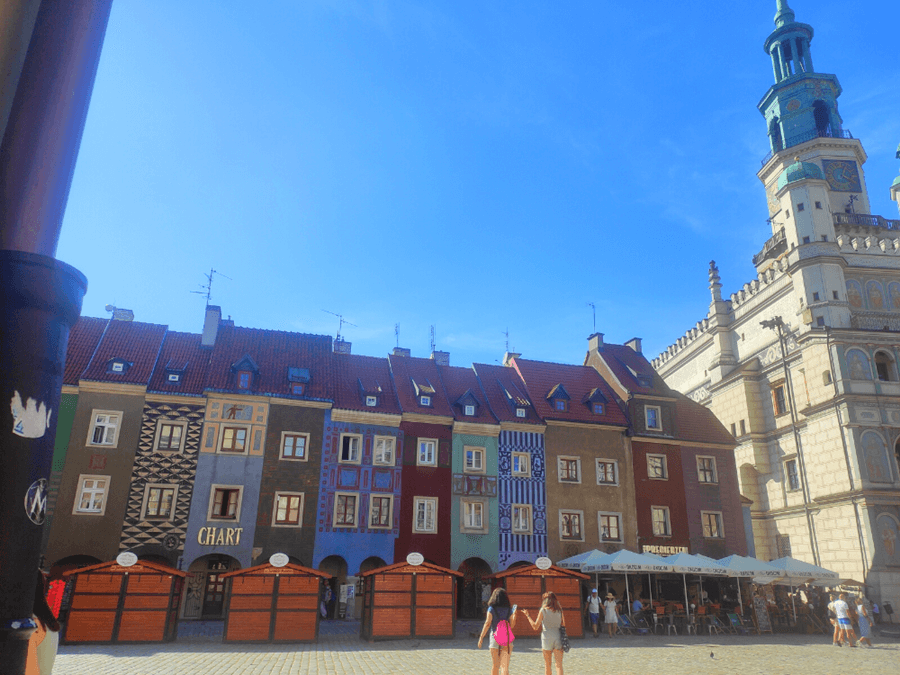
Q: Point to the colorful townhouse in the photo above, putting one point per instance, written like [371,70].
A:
[474,512]
[427,427]
[521,491]
[589,482]
[299,388]
[165,462]
[96,479]
[685,475]
[360,478]
[83,340]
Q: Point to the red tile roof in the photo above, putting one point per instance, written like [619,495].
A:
[497,382]
[83,340]
[355,374]
[579,382]
[462,382]
[633,371]
[696,422]
[132,341]
[273,352]
[181,351]
[409,371]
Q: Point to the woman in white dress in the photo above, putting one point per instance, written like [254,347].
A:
[611,608]
[865,623]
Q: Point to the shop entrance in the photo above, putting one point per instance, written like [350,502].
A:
[205,589]
[473,588]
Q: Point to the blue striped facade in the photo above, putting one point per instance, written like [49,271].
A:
[519,490]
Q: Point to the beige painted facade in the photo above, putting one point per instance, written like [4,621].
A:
[586,443]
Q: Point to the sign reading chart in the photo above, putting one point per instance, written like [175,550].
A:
[543,563]
[278,560]
[126,559]
[415,559]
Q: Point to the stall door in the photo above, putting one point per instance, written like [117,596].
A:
[214,595]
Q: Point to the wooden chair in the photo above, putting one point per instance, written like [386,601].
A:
[739,626]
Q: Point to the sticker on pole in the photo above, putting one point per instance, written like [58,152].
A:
[36,501]
[543,563]
[126,559]
[415,559]
[30,420]
[278,559]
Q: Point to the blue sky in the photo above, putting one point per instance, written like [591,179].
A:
[473,165]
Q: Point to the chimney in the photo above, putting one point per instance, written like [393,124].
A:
[123,315]
[595,342]
[441,358]
[509,356]
[635,344]
[341,347]
[211,325]
[400,351]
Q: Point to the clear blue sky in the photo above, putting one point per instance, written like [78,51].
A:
[475,165]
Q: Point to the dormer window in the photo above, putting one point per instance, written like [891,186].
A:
[596,401]
[298,389]
[470,410]
[245,373]
[560,404]
[371,401]
[559,398]
[597,408]
[173,378]
[118,366]
[425,400]
[175,372]
[244,378]
[520,412]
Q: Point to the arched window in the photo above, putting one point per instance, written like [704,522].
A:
[874,456]
[884,367]
[823,119]
[858,365]
[826,377]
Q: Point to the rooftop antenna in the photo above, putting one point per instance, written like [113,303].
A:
[207,287]
[506,333]
[594,310]
[341,322]
[432,338]
[397,334]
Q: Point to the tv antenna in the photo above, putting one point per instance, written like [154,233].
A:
[341,322]
[594,310]
[397,334]
[207,287]
[506,333]
[432,338]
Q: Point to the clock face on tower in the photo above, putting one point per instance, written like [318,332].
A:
[842,175]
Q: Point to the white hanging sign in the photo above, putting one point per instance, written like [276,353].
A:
[415,559]
[543,563]
[278,560]
[126,559]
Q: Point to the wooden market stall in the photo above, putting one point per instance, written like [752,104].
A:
[114,603]
[406,601]
[273,604]
[527,584]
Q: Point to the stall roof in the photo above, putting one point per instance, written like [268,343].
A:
[113,567]
[534,569]
[275,570]
[406,567]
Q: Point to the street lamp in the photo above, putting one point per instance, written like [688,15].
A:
[778,325]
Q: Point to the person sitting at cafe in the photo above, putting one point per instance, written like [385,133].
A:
[637,608]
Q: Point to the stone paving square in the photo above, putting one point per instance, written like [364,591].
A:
[341,652]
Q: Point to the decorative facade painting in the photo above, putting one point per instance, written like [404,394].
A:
[875,457]
[894,291]
[858,365]
[876,296]
[886,533]
[854,294]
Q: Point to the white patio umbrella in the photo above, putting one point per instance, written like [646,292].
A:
[574,562]
[797,572]
[627,561]
[746,567]
[686,563]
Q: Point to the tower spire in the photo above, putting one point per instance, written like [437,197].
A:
[784,14]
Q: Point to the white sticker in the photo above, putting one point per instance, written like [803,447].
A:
[31,420]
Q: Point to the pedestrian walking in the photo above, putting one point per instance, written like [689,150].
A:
[842,612]
[498,610]
[832,619]
[592,609]
[611,608]
[865,623]
[550,619]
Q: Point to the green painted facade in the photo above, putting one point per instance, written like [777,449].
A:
[464,545]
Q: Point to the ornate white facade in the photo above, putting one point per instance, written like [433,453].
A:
[820,443]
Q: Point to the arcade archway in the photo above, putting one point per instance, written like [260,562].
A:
[473,588]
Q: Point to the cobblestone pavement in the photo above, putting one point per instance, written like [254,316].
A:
[341,652]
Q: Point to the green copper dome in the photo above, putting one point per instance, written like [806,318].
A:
[896,181]
[799,171]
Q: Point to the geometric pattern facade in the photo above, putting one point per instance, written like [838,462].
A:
[522,490]
[171,468]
